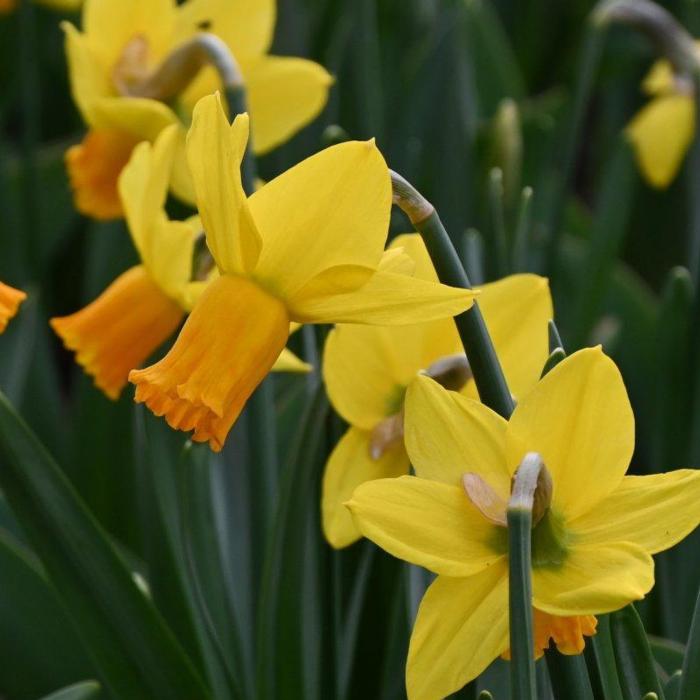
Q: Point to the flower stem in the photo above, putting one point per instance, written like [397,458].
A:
[568,675]
[690,679]
[519,514]
[478,346]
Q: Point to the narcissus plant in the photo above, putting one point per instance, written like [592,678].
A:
[306,247]
[367,370]
[594,531]
[122,44]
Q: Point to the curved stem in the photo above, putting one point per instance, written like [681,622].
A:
[478,346]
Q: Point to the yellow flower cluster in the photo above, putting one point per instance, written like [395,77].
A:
[424,468]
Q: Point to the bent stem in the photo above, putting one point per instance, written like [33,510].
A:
[478,346]
[519,514]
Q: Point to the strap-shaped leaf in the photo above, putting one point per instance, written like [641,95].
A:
[136,654]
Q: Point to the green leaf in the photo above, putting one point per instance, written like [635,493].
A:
[600,659]
[635,663]
[690,681]
[79,691]
[135,653]
[668,653]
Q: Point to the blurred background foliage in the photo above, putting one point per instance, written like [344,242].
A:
[451,89]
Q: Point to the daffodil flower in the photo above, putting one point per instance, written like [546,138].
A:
[591,550]
[10,299]
[125,40]
[306,247]
[663,130]
[367,371]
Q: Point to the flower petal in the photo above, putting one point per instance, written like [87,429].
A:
[386,299]
[579,419]
[246,26]
[110,24]
[358,363]
[654,512]
[348,466]
[214,152]
[10,299]
[331,209]
[87,80]
[517,310]
[226,347]
[289,362]
[594,579]
[448,435]
[120,329]
[426,523]
[139,117]
[298,84]
[462,626]
[661,133]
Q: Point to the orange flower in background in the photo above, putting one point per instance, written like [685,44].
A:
[146,304]
[124,41]
[10,299]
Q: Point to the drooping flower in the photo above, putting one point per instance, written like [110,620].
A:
[123,41]
[662,131]
[368,369]
[137,312]
[10,299]
[591,550]
[306,247]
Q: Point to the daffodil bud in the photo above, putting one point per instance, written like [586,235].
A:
[670,39]
[507,148]
[451,372]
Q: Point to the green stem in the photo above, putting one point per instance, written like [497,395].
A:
[600,659]
[633,656]
[568,675]
[237,104]
[478,346]
[522,666]
[690,679]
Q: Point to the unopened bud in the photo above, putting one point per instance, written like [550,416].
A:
[507,150]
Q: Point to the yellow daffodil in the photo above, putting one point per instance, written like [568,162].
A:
[367,371]
[125,40]
[663,130]
[591,550]
[306,247]
[10,299]
[146,304]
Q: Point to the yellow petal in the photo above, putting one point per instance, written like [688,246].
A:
[348,466]
[659,79]
[448,435]
[143,188]
[359,364]
[331,209]
[426,523]
[10,299]
[386,299]
[298,84]
[289,362]
[214,152]
[120,329]
[226,347]
[87,79]
[462,626]
[654,512]
[594,579]
[137,116]
[413,246]
[579,419]
[110,24]
[517,310]
[246,25]
[661,133]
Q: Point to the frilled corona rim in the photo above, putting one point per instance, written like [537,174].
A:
[10,299]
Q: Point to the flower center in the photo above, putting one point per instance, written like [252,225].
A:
[566,632]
